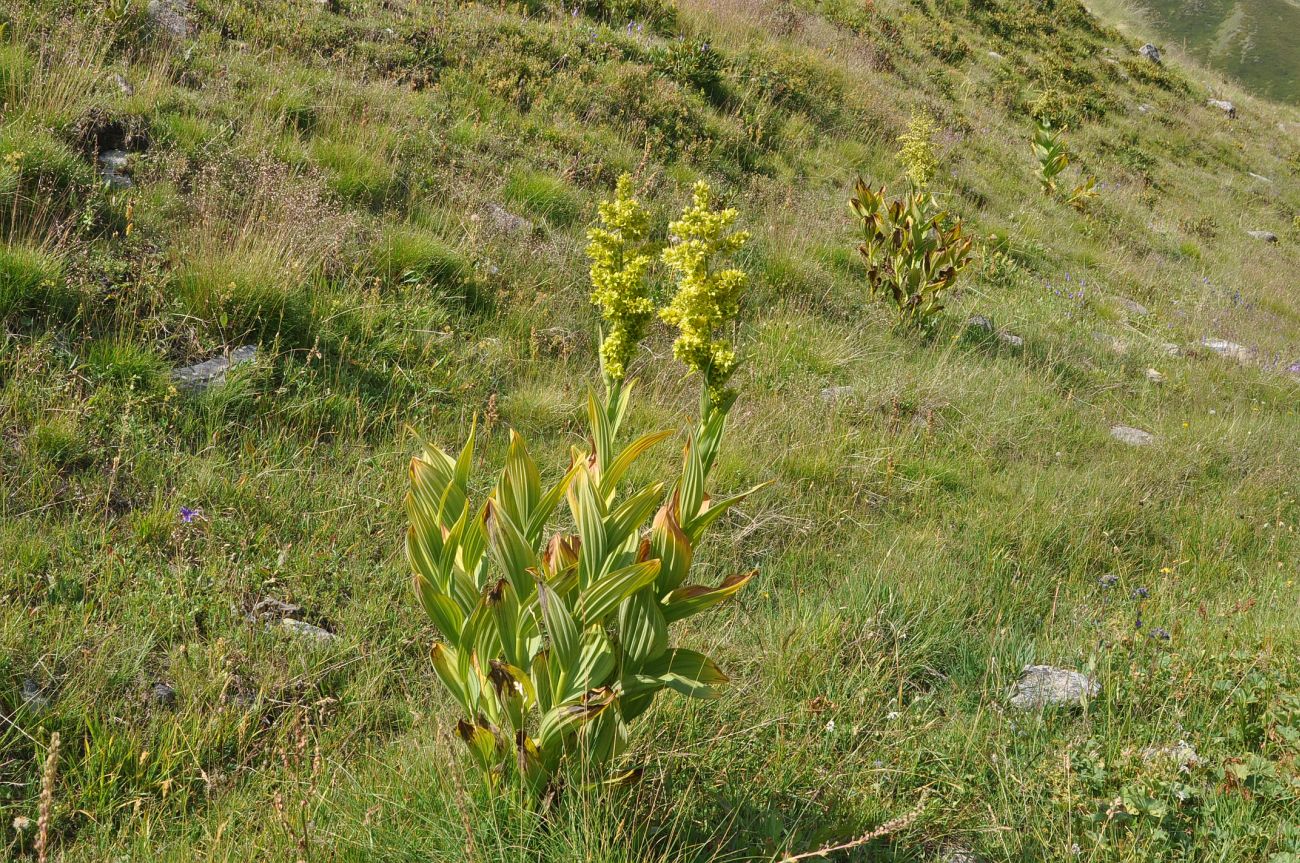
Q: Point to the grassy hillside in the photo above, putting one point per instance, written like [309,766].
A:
[1252,41]
[389,199]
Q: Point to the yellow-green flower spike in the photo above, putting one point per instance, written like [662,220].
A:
[917,153]
[706,300]
[619,263]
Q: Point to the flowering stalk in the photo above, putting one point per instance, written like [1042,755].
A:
[706,300]
[619,263]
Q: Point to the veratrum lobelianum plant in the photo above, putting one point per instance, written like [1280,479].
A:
[914,251]
[1053,158]
[553,641]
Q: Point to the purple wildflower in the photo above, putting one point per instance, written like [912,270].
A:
[187,514]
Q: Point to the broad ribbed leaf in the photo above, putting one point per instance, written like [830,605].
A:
[520,486]
[602,597]
[442,609]
[560,722]
[642,628]
[445,662]
[627,519]
[480,739]
[546,505]
[688,672]
[672,547]
[615,470]
[508,548]
[691,492]
[589,516]
[713,510]
[694,598]
[514,692]
[602,433]
[561,628]
[503,603]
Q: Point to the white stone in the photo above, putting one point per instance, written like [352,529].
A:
[1132,436]
[1040,686]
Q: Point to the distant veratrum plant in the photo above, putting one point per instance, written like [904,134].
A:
[554,642]
[1053,158]
[914,252]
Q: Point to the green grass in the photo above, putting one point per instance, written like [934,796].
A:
[544,196]
[322,183]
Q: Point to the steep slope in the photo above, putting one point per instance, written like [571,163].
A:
[388,198]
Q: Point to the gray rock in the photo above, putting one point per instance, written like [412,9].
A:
[113,169]
[123,85]
[163,695]
[170,17]
[1154,376]
[34,696]
[1041,686]
[557,340]
[1144,109]
[1132,436]
[307,630]
[1224,106]
[1133,307]
[830,395]
[1113,343]
[269,608]
[1182,753]
[1266,236]
[208,373]
[508,222]
[1231,350]
[1170,349]
[958,854]
[980,322]
[1151,52]
[995,55]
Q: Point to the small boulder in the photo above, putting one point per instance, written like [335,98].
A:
[1132,436]
[208,373]
[170,17]
[306,630]
[1154,376]
[1231,350]
[34,696]
[1182,754]
[1144,109]
[123,85]
[1133,307]
[113,169]
[1041,686]
[1224,106]
[1265,236]
[830,395]
[162,695]
[507,221]
[1151,52]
